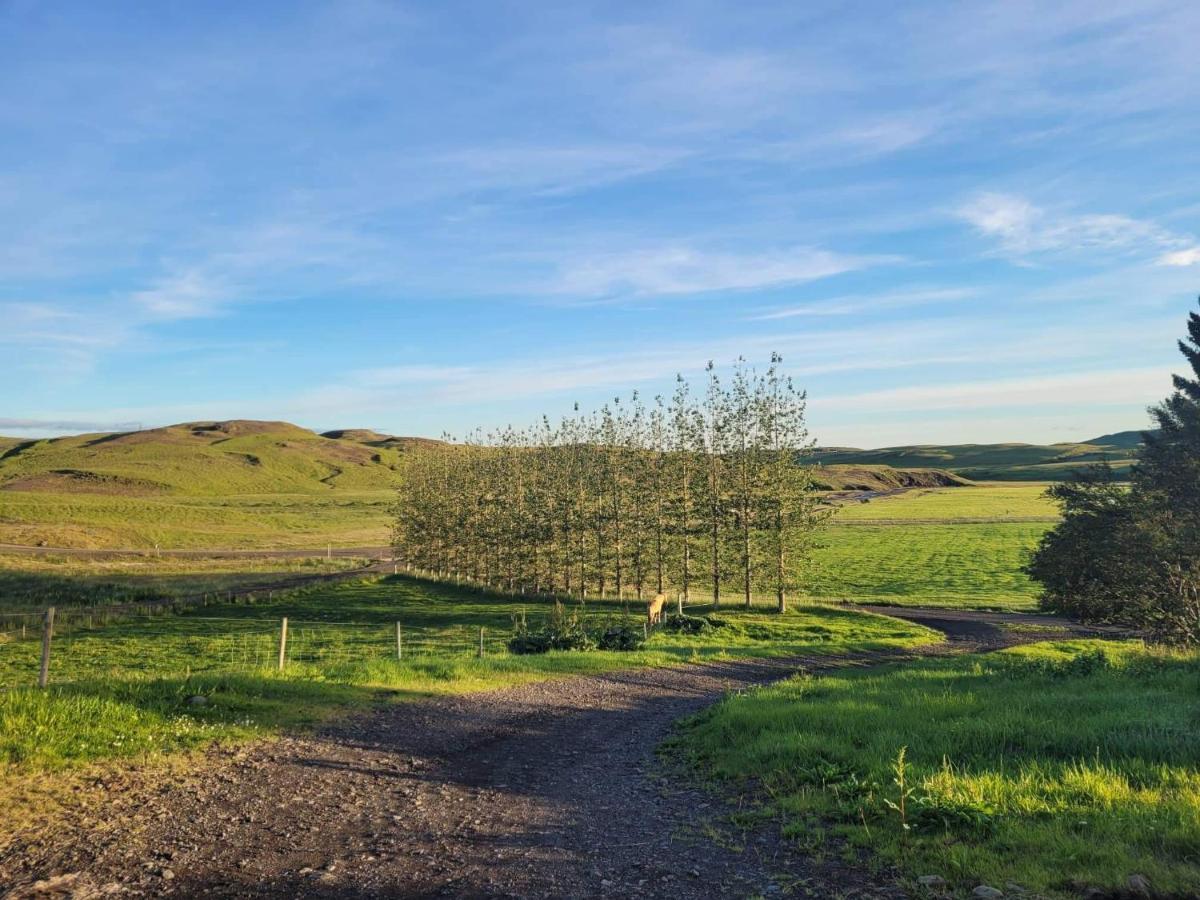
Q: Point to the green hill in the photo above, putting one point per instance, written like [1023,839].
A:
[995,462]
[200,459]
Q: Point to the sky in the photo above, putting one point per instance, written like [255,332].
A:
[957,222]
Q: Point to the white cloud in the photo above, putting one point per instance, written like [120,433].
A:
[1022,229]
[865,303]
[682,269]
[1180,258]
[188,295]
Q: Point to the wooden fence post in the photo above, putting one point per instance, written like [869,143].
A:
[47,634]
[399,643]
[282,642]
[481,642]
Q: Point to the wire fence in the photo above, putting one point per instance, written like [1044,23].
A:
[53,648]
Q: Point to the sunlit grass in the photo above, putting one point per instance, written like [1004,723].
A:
[1054,766]
[972,566]
[998,502]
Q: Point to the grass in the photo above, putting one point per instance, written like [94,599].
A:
[1057,766]
[960,547]
[122,689]
[29,583]
[986,502]
[253,521]
[975,566]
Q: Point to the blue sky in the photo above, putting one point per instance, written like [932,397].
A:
[957,222]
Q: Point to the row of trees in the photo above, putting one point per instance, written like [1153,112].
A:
[704,492]
[1130,554]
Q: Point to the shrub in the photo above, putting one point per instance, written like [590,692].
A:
[562,631]
[684,624]
[624,636]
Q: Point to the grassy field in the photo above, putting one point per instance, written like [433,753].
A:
[956,547]
[989,502]
[254,521]
[35,582]
[122,689]
[1056,766]
[973,566]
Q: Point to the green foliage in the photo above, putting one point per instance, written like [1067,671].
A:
[685,624]
[621,636]
[562,630]
[626,501]
[1133,557]
[1054,766]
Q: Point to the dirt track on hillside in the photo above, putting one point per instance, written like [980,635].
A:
[547,790]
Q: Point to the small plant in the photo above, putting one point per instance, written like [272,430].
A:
[900,779]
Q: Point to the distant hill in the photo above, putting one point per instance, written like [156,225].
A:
[1127,440]
[995,462]
[201,458]
[241,456]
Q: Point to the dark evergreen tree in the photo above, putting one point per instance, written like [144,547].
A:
[1133,556]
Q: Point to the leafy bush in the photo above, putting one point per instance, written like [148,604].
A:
[684,624]
[562,631]
[623,636]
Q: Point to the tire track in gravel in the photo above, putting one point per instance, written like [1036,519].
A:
[546,790]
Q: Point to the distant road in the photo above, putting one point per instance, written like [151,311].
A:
[91,553]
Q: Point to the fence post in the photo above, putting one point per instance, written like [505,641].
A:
[481,642]
[282,642]
[399,643]
[47,634]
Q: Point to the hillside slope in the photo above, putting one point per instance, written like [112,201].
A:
[883,478]
[994,462]
[199,459]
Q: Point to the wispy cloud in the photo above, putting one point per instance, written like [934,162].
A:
[66,426]
[681,269]
[188,295]
[1023,229]
[856,304]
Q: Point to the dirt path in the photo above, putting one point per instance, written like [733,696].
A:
[548,790]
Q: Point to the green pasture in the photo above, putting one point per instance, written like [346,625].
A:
[985,502]
[967,565]
[252,521]
[1055,767]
